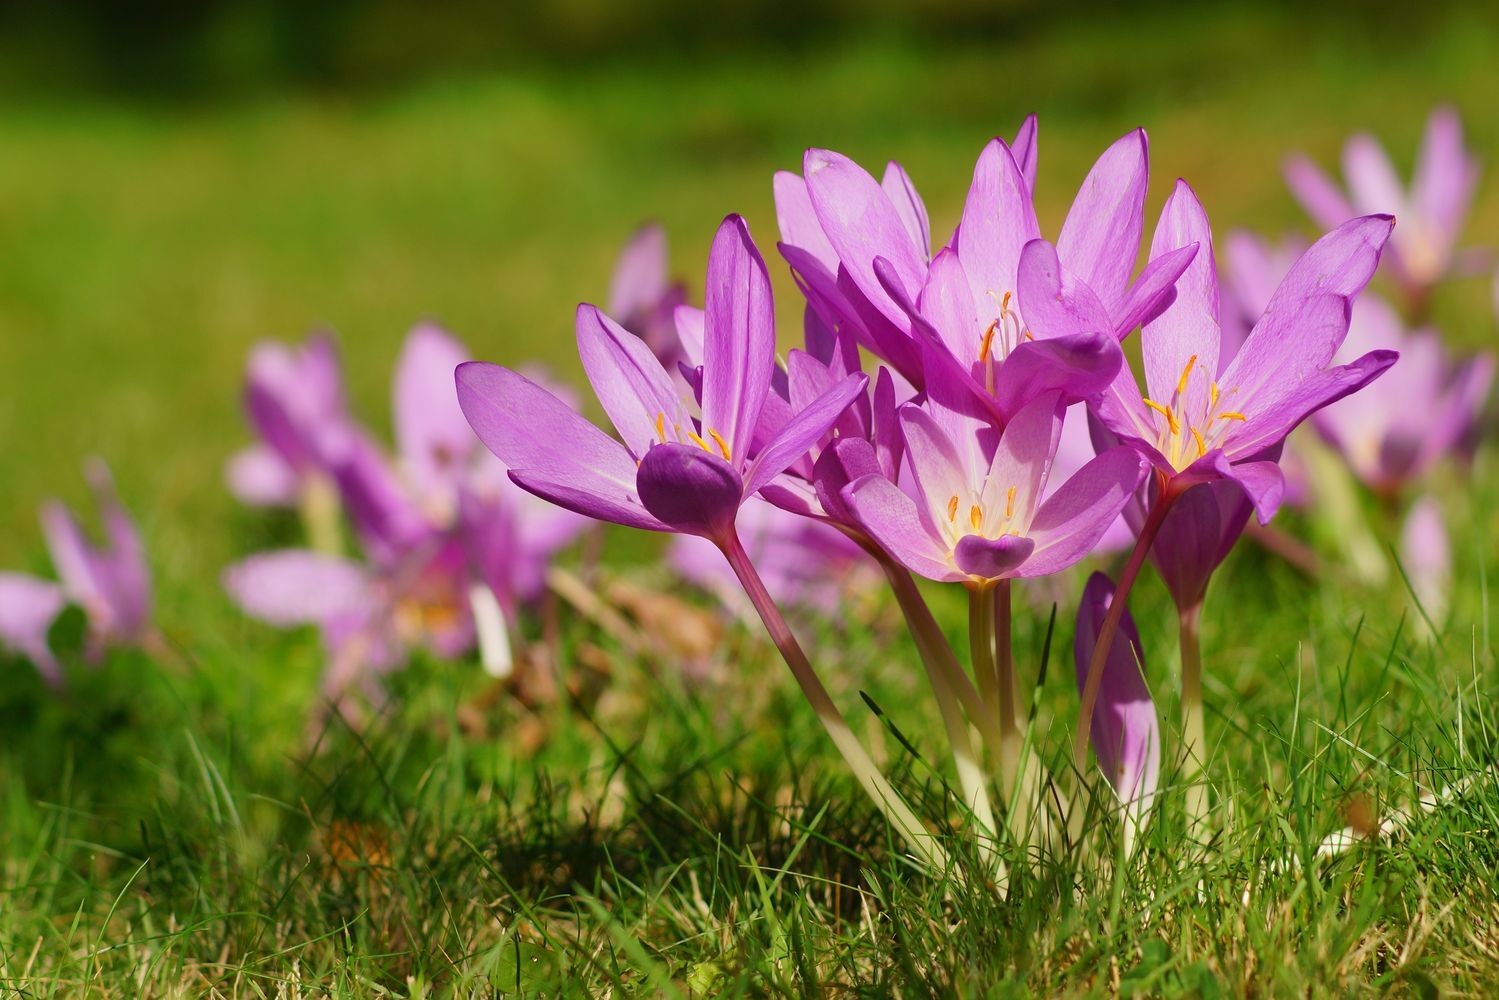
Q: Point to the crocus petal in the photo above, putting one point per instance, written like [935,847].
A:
[384,513]
[798,222]
[526,427]
[432,437]
[1023,459]
[908,205]
[1426,557]
[862,224]
[28,607]
[991,558]
[1299,332]
[260,477]
[291,393]
[689,322]
[1442,188]
[941,466]
[1318,195]
[1025,149]
[1185,335]
[1126,734]
[640,276]
[296,587]
[1054,302]
[1371,176]
[687,489]
[616,507]
[845,461]
[1153,291]
[1270,421]
[129,581]
[998,220]
[1078,366]
[1263,483]
[739,337]
[1072,520]
[631,385]
[803,431]
[947,304]
[78,565]
[893,520]
[1101,235]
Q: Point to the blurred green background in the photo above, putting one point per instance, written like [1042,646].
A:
[179,179]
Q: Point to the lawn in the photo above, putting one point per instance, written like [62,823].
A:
[189,822]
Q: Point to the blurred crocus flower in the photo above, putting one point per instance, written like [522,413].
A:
[110,582]
[643,298]
[804,563]
[1432,211]
[1125,732]
[674,471]
[1426,556]
[1426,408]
[973,510]
[292,396]
[1205,420]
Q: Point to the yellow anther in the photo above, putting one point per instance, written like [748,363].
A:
[1202,448]
[987,341]
[661,427]
[1181,385]
[1010,503]
[1231,415]
[1004,304]
[975,516]
[1163,411]
[700,442]
[723,445]
[952,508]
[1212,394]
[1027,335]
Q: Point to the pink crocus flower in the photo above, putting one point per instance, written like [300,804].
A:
[1432,210]
[109,581]
[1383,446]
[1126,732]
[971,509]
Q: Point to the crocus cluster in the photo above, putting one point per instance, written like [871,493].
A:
[923,418]
[109,582]
[448,548]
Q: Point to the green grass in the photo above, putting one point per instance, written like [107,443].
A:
[185,824]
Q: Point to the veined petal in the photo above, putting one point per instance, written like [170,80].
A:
[1077,365]
[1180,347]
[1101,235]
[617,506]
[804,430]
[1153,291]
[798,222]
[739,342]
[1372,181]
[1054,302]
[1442,189]
[862,224]
[630,383]
[899,527]
[689,323]
[998,221]
[1022,461]
[1197,535]
[526,427]
[908,205]
[946,303]
[992,558]
[1025,149]
[1072,520]
[1272,419]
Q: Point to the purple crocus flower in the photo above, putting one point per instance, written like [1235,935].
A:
[1384,447]
[674,471]
[1126,733]
[1426,556]
[110,582]
[978,314]
[1202,423]
[973,511]
[292,396]
[1432,211]
[643,298]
